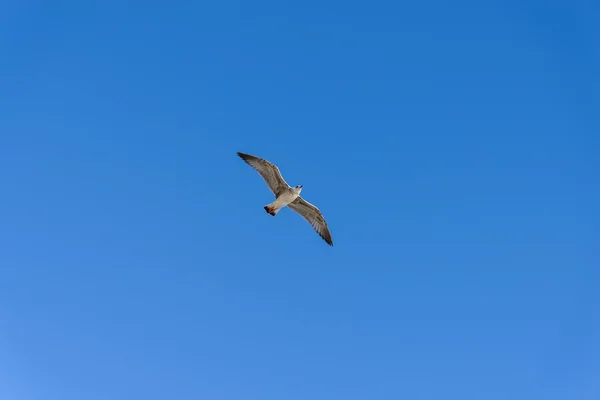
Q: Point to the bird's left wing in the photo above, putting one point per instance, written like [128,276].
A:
[314,217]
[269,172]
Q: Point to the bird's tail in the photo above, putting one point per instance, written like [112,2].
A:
[271,210]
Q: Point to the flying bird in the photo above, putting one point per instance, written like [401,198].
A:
[285,195]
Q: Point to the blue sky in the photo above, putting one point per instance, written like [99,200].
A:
[453,149]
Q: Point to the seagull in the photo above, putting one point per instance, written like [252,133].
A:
[285,195]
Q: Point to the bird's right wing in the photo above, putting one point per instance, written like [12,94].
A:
[314,217]
[269,172]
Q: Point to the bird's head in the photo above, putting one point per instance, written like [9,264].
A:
[298,188]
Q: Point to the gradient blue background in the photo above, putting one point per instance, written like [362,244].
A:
[452,146]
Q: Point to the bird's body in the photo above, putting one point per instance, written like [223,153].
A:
[287,196]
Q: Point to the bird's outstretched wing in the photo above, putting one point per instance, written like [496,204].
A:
[269,172]
[313,216]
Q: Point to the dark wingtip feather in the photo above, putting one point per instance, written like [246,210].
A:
[327,237]
[244,156]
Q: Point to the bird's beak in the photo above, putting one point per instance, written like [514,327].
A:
[300,186]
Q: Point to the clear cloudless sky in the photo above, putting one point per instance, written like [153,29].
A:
[453,147]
